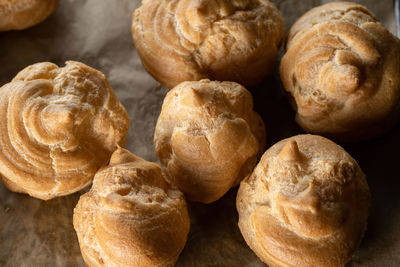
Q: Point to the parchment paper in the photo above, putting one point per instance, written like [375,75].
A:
[97,32]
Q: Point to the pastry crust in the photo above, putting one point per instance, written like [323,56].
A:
[342,70]
[208,137]
[131,216]
[225,40]
[58,127]
[22,14]
[305,204]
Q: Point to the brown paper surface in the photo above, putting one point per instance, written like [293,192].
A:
[97,32]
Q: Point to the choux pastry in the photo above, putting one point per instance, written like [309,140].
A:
[22,14]
[208,137]
[341,70]
[225,40]
[131,217]
[305,204]
[58,127]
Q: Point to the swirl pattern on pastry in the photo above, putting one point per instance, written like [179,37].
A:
[58,127]
[208,137]
[305,204]
[22,14]
[341,70]
[131,216]
[225,40]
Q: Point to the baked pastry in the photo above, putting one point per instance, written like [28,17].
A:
[341,70]
[131,216]
[225,40]
[305,204]
[58,127]
[22,14]
[208,137]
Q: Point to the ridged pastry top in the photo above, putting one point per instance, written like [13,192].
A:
[22,14]
[208,137]
[341,68]
[225,40]
[58,127]
[131,216]
[306,204]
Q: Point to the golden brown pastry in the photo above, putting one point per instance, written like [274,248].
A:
[22,14]
[131,216]
[58,127]
[225,40]
[305,204]
[342,70]
[208,137]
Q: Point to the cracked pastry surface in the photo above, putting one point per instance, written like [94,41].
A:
[58,127]
[131,216]
[22,14]
[225,40]
[305,204]
[341,69]
[208,137]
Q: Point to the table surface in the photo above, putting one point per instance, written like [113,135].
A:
[97,32]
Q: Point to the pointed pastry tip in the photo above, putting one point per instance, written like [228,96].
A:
[193,98]
[194,93]
[291,152]
[121,156]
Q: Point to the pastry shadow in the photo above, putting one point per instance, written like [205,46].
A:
[379,159]
[271,102]
[214,236]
